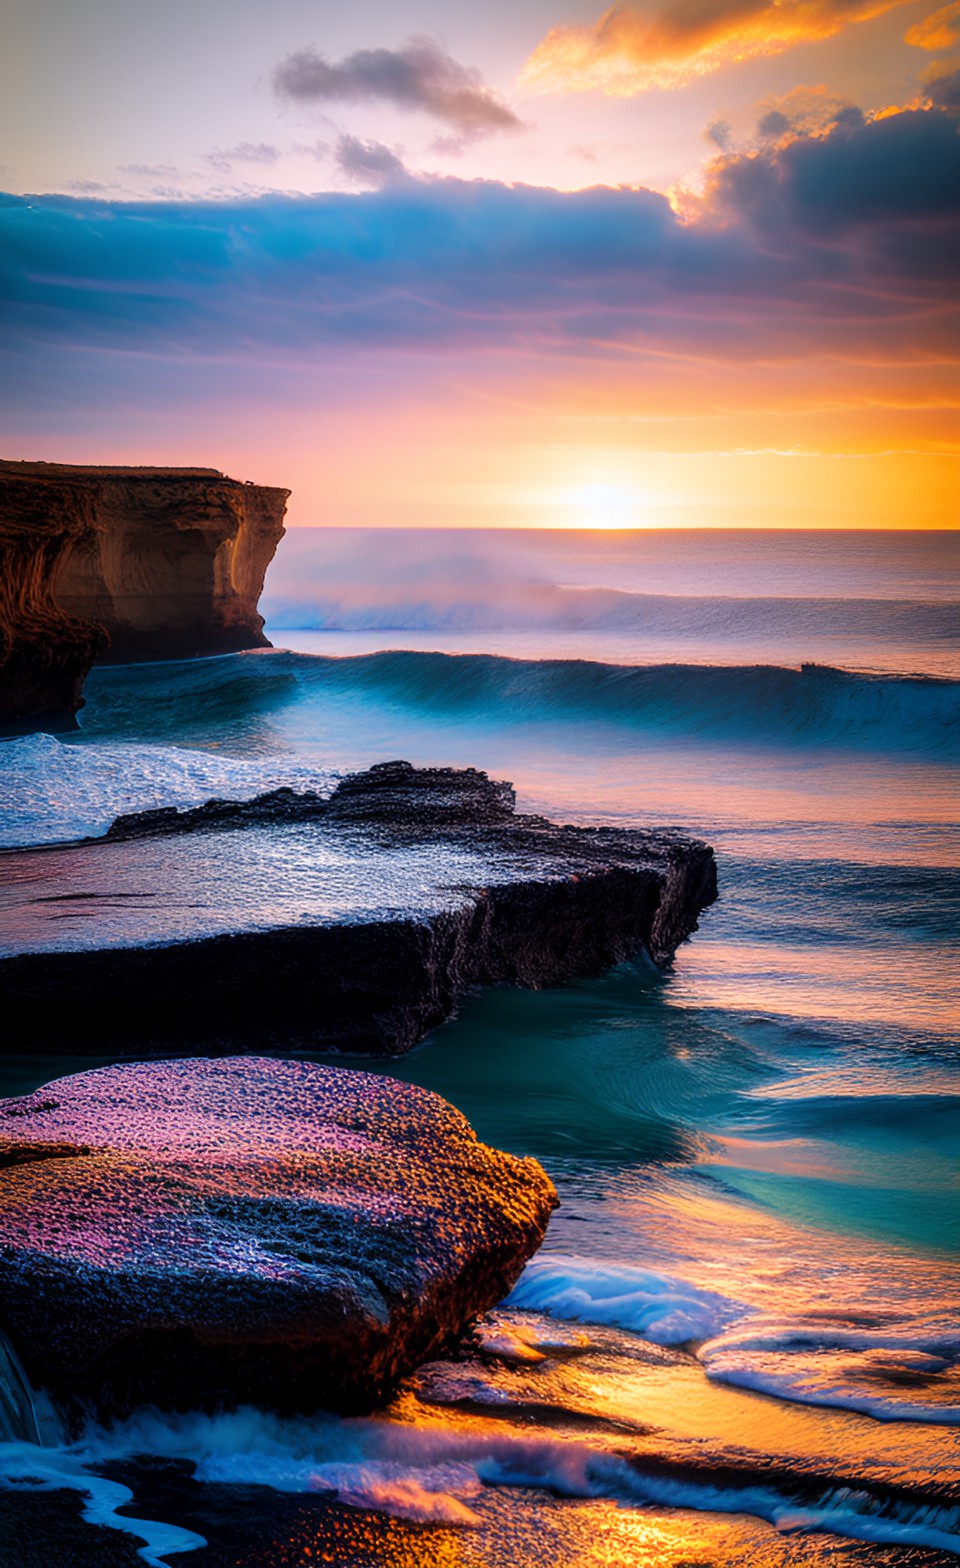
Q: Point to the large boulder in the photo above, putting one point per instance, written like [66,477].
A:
[204,1232]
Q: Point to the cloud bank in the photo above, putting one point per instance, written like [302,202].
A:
[843,244]
[421,76]
[629,51]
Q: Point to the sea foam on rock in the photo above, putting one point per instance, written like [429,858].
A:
[200,1233]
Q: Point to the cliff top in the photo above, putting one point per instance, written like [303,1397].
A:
[105,471]
[94,473]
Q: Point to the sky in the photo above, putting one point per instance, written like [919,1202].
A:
[536,264]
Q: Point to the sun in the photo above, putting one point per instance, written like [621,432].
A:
[603,506]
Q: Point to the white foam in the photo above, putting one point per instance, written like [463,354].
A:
[660,1307]
[25,1467]
[908,1370]
[889,1373]
[52,791]
[435,1472]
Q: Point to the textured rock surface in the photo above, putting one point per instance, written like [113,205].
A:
[127,563]
[44,652]
[354,923]
[190,1233]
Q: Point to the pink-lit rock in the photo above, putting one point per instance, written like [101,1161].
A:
[222,1231]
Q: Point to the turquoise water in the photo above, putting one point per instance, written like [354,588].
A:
[757,1153]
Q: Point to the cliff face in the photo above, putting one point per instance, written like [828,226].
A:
[44,653]
[124,563]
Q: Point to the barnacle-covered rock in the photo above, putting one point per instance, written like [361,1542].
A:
[203,1232]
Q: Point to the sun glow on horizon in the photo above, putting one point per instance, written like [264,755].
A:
[604,506]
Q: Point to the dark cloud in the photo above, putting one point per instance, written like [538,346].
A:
[719,132]
[804,111]
[369,163]
[421,75]
[772,125]
[901,169]
[843,243]
[944,92]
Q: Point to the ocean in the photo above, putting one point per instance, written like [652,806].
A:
[748,1303]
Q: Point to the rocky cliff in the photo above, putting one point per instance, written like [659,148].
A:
[124,563]
[44,653]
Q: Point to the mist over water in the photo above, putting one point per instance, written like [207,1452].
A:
[758,1153]
[873,600]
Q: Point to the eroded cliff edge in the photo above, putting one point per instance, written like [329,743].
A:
[124,564]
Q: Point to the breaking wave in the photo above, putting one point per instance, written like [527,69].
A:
[752,705]
[51,792]
[893,1369]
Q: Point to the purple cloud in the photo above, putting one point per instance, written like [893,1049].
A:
[421,76]
[369,163]
[223,158]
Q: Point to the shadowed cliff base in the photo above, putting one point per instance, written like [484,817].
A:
[123,564]
[352,923]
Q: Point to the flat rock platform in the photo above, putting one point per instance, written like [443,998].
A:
[353,922]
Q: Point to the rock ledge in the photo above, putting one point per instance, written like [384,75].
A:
[354,923]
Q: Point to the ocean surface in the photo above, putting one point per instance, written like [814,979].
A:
[741,1340]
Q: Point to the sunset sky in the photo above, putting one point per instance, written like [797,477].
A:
[688,263]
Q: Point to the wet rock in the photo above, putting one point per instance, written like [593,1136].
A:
[192,1233]
[354,923]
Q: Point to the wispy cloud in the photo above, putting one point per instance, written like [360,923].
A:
[629,51]
[369,163]
[224,158]
[152,171]
[939,30]
[420,76]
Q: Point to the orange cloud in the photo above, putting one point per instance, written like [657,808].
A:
[939,30]
[626,51]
